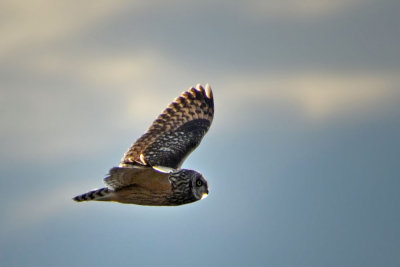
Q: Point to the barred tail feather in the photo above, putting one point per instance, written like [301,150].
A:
[102,194]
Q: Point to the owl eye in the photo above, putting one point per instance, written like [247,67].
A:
[199,182]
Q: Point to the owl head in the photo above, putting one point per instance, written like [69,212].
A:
[187,186]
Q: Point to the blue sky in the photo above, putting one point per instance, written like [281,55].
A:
[301,159]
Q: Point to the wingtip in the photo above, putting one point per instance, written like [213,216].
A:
[192,91]
[209,93]
[199,87]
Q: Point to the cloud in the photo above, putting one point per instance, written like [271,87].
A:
[27,24]
[124,92]
[324,95]
[138,78]
[316,95]
[70,104]
[297,9]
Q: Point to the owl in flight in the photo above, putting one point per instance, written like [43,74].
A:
[150,173]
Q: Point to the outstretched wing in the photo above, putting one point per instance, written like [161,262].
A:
[176,132]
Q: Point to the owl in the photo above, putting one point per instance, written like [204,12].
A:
[149,172]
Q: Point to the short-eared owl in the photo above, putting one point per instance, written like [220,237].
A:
[149,173]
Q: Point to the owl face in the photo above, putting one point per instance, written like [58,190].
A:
[199,186]
[187,186]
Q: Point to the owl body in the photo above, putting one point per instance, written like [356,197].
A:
[149,172]
[151,187]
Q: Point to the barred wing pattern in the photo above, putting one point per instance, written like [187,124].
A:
[176,132]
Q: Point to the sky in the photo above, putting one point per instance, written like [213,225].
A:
[302,158]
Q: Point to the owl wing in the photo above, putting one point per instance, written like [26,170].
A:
[176,132]
[140,176]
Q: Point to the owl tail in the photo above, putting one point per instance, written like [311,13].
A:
[103,194]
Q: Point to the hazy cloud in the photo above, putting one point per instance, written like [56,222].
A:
[319,95]
[297,9]
[124,93]
[29,23]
